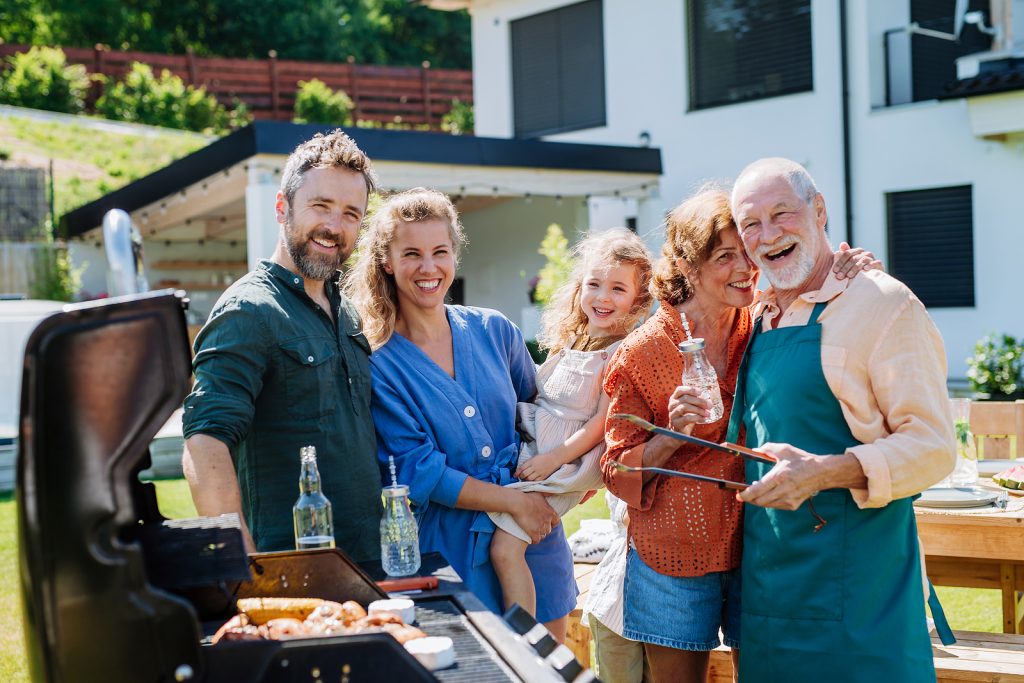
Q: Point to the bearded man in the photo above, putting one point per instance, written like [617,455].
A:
[844,382]
[281,364]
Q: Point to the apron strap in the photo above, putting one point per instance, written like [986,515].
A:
[739,402]
[942,628]
[818,308]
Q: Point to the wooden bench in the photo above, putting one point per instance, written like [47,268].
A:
[577,636]
[976,657]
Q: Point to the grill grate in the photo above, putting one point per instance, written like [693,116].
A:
[475,660]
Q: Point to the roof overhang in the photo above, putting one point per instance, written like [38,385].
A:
[203,194]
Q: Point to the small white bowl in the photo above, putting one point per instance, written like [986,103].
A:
[403,607]
[433,652]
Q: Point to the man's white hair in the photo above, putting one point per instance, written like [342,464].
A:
[795,174]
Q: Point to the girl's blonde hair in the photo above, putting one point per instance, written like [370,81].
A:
[563,317]
[692,231]
[370,288]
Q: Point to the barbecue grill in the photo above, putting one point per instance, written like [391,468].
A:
[113,591]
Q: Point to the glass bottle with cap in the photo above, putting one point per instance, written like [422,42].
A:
[700,374]
[314,521]
[399,535]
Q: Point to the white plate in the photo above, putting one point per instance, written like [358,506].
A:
[955,498]
[986,468]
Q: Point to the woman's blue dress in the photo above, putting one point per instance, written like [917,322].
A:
[442,430]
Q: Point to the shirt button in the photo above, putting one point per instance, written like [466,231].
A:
[485,451]
[309,358]
[350,380]
[470,411]
[296,280]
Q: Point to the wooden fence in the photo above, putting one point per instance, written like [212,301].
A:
[385,94]
[18,263]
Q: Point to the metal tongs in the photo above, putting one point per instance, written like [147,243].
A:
[730,448]
[726,447]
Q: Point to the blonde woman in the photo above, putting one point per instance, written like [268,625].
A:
[605,297]
[446,380]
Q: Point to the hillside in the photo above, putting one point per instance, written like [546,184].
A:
[90,156]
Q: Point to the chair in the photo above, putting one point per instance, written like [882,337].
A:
[998,428]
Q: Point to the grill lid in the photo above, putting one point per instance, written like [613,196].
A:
[99,381]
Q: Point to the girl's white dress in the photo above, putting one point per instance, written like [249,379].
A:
[569,386]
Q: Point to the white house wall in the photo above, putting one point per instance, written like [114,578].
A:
[927,145]
[502,253]
[915,146]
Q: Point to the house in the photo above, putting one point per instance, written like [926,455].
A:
[908,113]
[208,218]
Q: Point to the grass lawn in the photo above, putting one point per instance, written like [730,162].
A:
[966,608]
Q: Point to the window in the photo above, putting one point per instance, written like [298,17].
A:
[743,50]
[558,70]
[931,244]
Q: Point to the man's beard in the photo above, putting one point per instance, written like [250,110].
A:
[313,265]
[794,274]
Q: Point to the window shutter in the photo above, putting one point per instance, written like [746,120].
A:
[581,37]
[753,50]
[535,73]
[931,244]
[558,70]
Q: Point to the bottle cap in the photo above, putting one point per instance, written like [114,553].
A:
[395,491]
[691,345]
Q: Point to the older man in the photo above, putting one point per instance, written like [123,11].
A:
[844,383]
[282,363]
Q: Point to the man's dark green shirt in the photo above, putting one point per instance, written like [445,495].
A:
[273,373]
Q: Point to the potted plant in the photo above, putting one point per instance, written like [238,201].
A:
[996,370]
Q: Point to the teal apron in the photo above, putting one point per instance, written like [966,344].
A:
[841,604]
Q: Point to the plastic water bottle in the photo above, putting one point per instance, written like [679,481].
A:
[314,522]
[700,374]
[399,535]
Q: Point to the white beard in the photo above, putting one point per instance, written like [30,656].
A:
[793,274]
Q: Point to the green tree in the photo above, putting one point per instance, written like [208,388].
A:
[558,267]
[317,103]
[142,97]
[371,31]
[42,79]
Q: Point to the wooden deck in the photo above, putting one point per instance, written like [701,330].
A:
[976,658]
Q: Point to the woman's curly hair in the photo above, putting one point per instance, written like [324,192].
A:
[692,231]
[372,289]
[564,318]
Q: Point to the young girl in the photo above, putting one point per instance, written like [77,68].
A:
[563,430]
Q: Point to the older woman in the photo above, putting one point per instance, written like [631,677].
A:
[446,380]
[682,583]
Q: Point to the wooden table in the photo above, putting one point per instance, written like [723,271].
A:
[977,550]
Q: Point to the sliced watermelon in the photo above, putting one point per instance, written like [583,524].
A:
[1012,478]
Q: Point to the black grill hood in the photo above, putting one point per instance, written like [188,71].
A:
[99,381]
